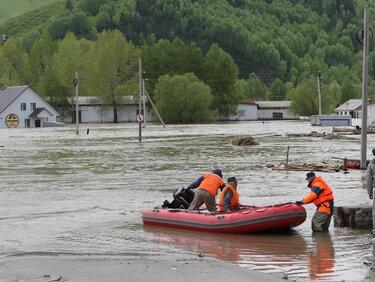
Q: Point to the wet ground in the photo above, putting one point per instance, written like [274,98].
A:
[67,194]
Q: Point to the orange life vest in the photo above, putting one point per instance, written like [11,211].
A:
[234,202]
[323,198]
[211,183]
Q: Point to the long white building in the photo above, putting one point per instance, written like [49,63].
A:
[250,109]
[93,110]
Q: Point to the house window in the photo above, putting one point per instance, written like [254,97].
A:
[23,106]
[33,106]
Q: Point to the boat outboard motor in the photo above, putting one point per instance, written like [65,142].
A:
[182,199]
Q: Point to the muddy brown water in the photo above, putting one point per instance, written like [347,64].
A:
[67,194]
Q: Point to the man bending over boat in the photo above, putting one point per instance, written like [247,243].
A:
[229,197]
[322,196]
[207,186]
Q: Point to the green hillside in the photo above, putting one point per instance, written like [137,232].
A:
[13,8]
[269,50]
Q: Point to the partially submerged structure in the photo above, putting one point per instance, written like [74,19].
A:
[93,109]
[352,107]
[22,106]
[250,109]
[331,120]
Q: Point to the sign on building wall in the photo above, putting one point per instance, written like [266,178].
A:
[12,120]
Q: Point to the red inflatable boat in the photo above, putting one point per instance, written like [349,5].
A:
[246,220]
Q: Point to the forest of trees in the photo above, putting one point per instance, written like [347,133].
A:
[206,54]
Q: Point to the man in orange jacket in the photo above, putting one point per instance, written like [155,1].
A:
[207,186]
[229,197]
[322,196]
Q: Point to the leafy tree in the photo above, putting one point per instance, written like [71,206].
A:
[167,57]
[69,5]
[348,92]
[10,64]
[277,90]
[183,99]
[220,72]
[335,90]
[59,26]
[304,98]
[82,27]
[90,7]
[40,60]
[71,56]
[256,88]
[338,54]
[115,64]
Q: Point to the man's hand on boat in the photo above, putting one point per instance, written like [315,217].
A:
[299,202]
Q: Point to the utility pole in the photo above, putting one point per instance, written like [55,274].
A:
[76,84]
[144,102]
[364,88]
[319,94]
[139,115]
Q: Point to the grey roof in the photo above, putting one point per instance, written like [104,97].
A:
[9,94]
[350,105]
[273,104]
[37,111]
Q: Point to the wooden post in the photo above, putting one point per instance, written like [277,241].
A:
[287,158]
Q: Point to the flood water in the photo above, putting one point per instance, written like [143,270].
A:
[67,194]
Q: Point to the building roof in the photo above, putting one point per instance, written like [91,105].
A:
[273,104]
[37,111]
[266,104]
[9,94]
[248,101]
[350,105]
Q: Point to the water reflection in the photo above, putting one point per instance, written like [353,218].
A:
[322,256]
[268,252]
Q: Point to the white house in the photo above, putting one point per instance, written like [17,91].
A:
[21,106]
[275,110]
[91,109]
[352,107]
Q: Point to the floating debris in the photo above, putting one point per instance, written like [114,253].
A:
[325,167]
[325,135]
[244,141]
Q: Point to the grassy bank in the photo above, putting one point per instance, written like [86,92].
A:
[13,8]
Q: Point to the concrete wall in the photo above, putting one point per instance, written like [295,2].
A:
[269,114]
[104,114]
[28,97]
[358,217]
[245,112]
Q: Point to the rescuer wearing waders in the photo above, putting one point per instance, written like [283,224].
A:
[370,183]
[208,185]
[322,196]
